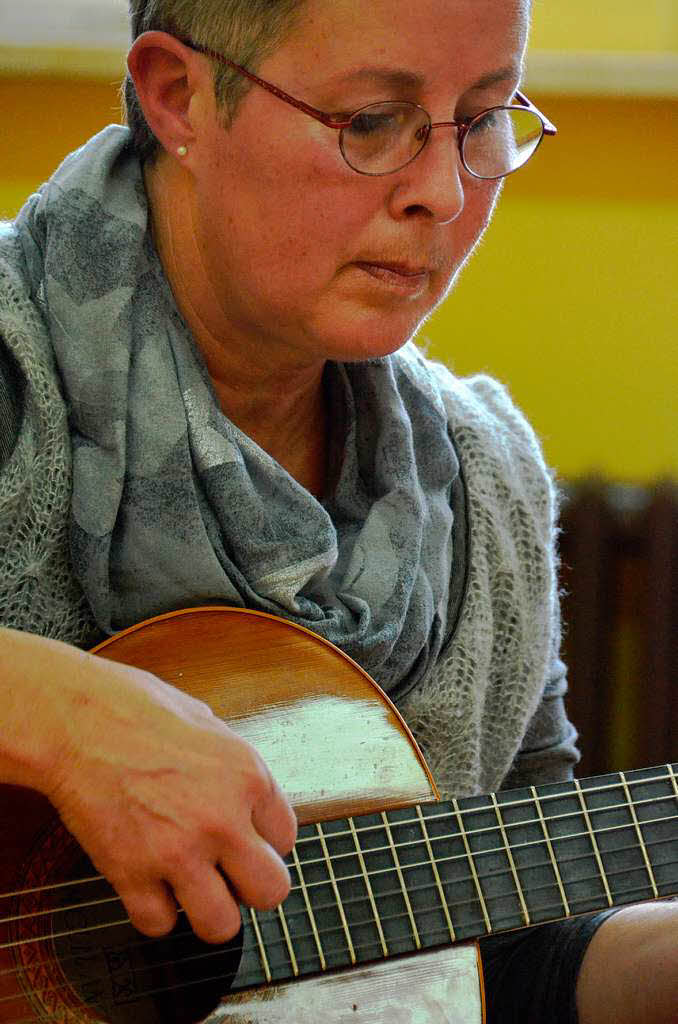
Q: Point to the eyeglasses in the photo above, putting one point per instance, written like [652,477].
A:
[382,138]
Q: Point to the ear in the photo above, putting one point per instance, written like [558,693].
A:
[168,77]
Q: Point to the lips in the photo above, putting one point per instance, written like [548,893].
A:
[404,269]
[405,279]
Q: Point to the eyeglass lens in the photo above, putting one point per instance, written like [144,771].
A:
[383,137]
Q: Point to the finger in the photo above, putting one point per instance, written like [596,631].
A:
[258,874]
[209,905]
[151,907]
[275,821]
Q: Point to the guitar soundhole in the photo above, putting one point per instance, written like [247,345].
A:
[85,964]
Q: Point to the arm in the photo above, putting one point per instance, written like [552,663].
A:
[548,752]
[159,792]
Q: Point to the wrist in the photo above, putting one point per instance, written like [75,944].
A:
[32,737]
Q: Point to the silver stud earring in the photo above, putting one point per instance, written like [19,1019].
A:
[182,151]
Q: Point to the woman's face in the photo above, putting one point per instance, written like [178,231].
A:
[288,234]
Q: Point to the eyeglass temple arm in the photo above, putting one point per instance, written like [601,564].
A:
[319,115]
[549,128]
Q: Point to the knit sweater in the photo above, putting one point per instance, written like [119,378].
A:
[491,711]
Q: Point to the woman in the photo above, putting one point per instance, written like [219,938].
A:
[204,327]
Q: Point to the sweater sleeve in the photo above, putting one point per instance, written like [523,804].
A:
[549,749]
[11,404]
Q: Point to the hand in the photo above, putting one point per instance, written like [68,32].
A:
[164,797]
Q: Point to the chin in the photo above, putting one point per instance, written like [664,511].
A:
[370,335]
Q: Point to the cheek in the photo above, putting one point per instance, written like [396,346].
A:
[299,217]
[466,232]
[480,199]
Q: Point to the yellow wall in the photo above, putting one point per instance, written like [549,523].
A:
[571,298]
[616,25]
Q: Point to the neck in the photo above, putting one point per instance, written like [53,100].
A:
[275,398]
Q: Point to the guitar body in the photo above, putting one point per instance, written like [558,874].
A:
[338,748]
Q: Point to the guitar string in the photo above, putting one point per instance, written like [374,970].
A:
[255,977]
[335,857]
[332,904]
[474,833]
[363,899]
[290,916]
[500,872]
[303,840]
[509,805]
[340,856]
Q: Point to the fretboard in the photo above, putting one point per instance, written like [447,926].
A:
[379,885]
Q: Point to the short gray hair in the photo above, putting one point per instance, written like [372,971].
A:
[246,31]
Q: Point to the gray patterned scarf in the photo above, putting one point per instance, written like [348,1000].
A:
[174,506]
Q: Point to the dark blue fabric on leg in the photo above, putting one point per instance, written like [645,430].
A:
[531,975]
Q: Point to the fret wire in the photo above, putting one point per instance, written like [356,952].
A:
[288,940]
[342,915]
[436,873]
[433,817]
[368,886]
[303,886]
[673,779]
[632,809]
[260,944]
[551,853]
[309,910]
[488,923]
[594,842]
[403,887]
[521,897]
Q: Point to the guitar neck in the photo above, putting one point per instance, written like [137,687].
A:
[378,885]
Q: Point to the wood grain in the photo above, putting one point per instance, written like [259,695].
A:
[441,987]
[332,738]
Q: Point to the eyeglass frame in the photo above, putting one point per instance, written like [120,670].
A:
[463,126]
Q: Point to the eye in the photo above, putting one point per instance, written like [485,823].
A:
[488,122]
[371,123]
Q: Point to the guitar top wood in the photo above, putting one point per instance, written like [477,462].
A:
[337,746]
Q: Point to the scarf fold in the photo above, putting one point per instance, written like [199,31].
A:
[174,506]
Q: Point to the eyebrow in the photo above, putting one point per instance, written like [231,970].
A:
[400,78]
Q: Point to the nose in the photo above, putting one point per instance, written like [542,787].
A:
[432,184]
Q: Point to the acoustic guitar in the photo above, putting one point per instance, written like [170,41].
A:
[390,886]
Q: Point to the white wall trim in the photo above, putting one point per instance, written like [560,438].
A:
[91,37]
[601,74]
[64,24]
